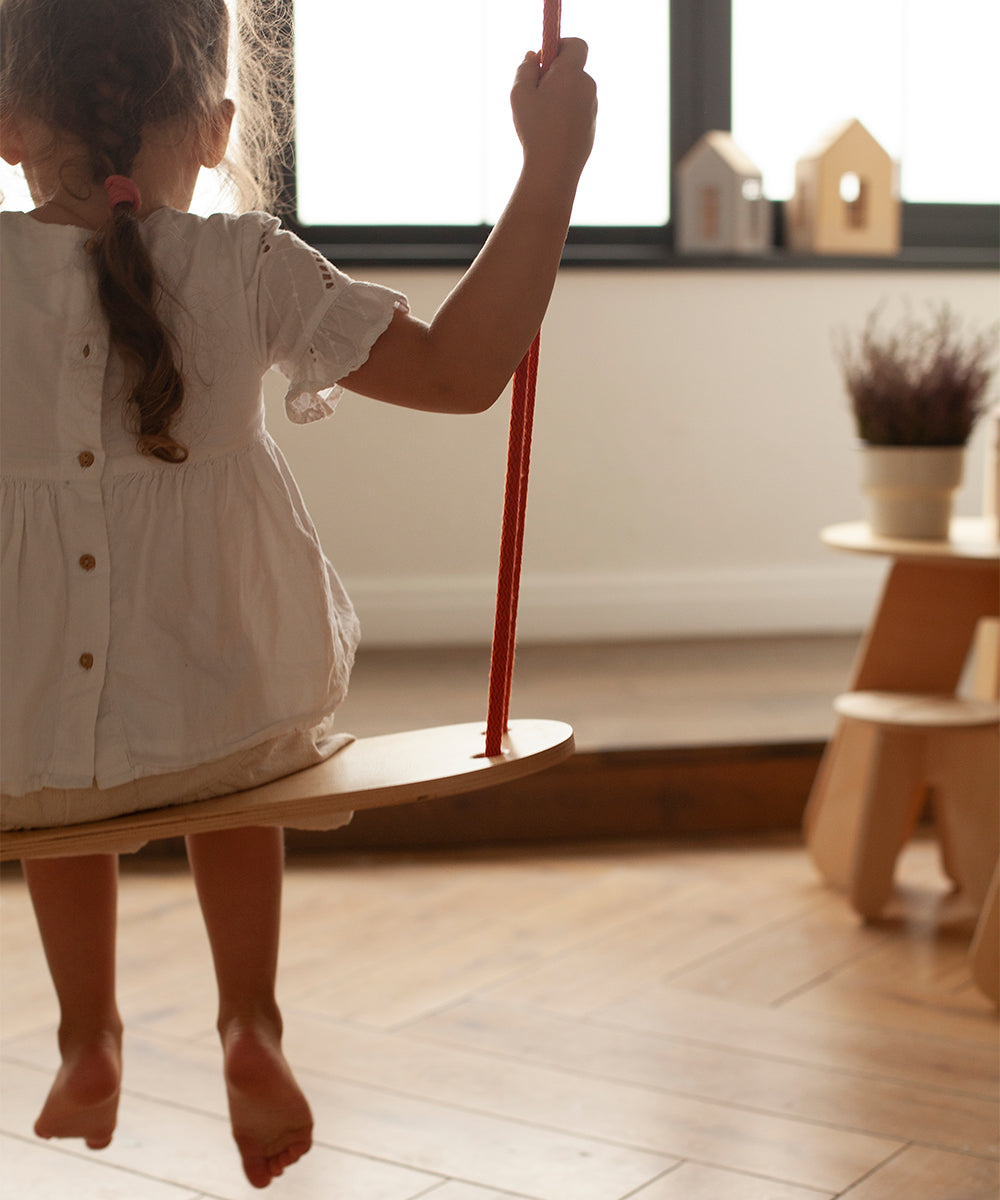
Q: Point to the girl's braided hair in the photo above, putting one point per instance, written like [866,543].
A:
[102,71]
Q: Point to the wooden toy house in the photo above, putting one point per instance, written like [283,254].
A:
[720,205]
[846,197]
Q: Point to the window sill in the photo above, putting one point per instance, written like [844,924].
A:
[920,258]
[935,237]
[631,256]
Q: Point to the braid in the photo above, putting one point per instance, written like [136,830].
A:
[126,287]
[126,278]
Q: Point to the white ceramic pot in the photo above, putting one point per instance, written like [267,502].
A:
[909,490]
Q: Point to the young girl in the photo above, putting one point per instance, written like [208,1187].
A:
[171,629]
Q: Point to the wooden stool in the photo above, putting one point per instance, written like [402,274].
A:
[984,953]
[944,744]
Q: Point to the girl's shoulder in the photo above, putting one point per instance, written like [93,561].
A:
[245,238]
[37,237]
[221,228]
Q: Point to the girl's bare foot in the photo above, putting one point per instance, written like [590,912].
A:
[83,1100]
[272,1123]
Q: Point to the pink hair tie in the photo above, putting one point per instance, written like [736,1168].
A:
[121,190]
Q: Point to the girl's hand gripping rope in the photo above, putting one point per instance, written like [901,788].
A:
[555,112]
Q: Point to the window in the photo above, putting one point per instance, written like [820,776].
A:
[925,87]
[420,132]
[405,150]
[776,72]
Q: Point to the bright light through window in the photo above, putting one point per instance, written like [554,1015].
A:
[14,194]
[403,116]
[920,75]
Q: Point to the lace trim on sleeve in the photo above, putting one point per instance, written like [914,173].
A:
[341,343]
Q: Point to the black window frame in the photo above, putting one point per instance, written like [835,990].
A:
[943,236]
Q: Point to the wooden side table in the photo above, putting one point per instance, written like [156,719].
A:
[934,597]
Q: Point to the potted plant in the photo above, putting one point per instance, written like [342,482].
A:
[915,393]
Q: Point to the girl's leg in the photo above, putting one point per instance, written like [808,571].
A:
[76,906]
[238,874]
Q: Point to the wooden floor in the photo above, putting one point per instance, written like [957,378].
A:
[659,1022]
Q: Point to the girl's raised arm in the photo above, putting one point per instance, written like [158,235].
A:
[463,360]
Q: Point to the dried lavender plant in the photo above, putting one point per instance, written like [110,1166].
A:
[922,385]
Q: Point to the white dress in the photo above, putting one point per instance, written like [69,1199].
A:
[166,632]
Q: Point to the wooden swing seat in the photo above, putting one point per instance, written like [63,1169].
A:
[374,772]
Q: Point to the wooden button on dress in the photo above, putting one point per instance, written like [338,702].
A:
[86,661]
[88,562]
[85,458]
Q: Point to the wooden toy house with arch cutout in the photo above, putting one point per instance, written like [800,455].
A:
[846,198]
[720,205]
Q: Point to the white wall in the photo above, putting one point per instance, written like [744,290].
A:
[691,438]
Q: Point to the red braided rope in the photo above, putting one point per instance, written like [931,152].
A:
[551,19]
[522,414]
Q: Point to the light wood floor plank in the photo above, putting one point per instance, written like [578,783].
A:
[824,938]
[909,985]
[32,1170]
[435,967]
[926,1060]
[745,1081]
[455,1190]
[695,1181]
[695,926]
[506,1154]
[920,1173]
[646,1115]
